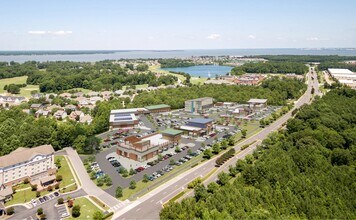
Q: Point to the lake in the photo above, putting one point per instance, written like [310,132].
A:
[91,56]
[204,71]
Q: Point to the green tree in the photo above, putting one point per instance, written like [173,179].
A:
[132,184]
[244,133]
[145,178]
[118,192]
[216,148]
[98,215]
[132,172]
[207,154]
[76,211]
[223,178]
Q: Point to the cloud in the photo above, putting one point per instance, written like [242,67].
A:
[251,36]
[312,38]
[214,36]
[50,32]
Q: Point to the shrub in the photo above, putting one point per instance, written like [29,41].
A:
[56,186]
[39,211]
[59,178]
[76,211]
[34,187]
[194,183]
[50,188]
[26,181]
[10,211]
[38,194]
[60,201]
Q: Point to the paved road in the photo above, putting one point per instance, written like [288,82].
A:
[87,184]
[148,206]
[118,180]
[48,207]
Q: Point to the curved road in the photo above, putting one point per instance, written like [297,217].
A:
[149,206]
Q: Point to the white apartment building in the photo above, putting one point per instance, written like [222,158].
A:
[199,105]
[32,163]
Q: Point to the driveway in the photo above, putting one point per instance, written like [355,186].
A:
[48,207]
[87,184]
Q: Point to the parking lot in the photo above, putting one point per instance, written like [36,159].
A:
[112,164]
[62,211]
[43,199]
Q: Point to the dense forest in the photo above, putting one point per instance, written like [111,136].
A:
[326,65]
[276,90]
[64,75]
[306,58]
[103,75]
[306,171]
[172,63]
[13,69]
[270,67]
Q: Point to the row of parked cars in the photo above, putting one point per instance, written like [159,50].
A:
[96,168]
[161,172]
[36,202]
[115,163]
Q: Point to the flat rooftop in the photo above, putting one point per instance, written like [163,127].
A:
[127,110]
[171,131]
[155,140]
[200,99]
[200,120]
[340,71]
[122,117]
[154,107]
[258,101]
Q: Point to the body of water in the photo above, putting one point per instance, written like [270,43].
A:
[204,71]
[145,54]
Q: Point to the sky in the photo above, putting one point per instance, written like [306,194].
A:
[178,24]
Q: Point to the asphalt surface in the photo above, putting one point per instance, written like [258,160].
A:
[118,180]
[87,184]
[149,206]
[48,207]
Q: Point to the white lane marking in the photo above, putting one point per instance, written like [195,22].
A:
[138,209]
[164,193]
[152,200]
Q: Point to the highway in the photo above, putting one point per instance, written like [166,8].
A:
[149,206]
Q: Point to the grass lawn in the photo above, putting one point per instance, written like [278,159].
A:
[24,196]
[196,80]
[26,91]
[103,186]
[87,208]
[98,202]
[158,70]
[65,171]
[22,186]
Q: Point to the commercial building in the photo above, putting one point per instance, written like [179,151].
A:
[199,105]
[172,135]
[125,118]
[158,108]
[141,149]
[35,164]
[198,127]
[344,76]
[257,104]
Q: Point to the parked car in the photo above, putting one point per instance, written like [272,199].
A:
[139,169]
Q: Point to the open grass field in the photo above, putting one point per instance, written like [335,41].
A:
[196,80]
[158,70]
[65,171]
[87,208]
[26,91]
[24,196]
